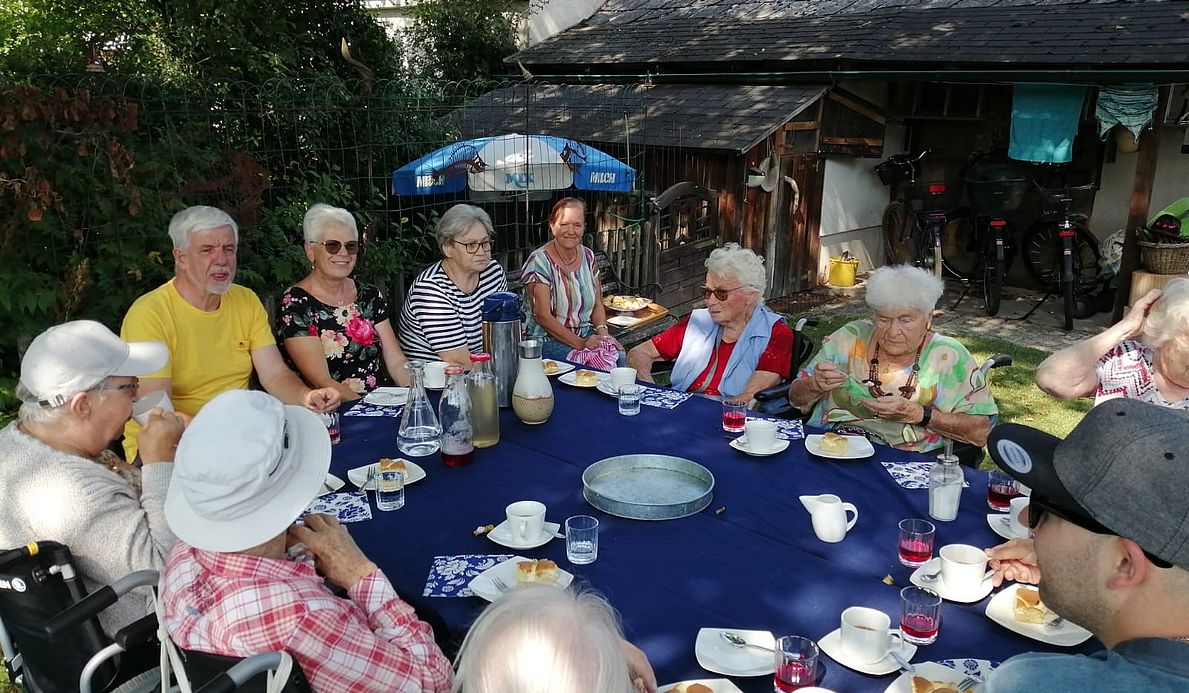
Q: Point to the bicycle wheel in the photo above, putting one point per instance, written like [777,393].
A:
[960,251]
[1041,248]
[897,226]
[993,273]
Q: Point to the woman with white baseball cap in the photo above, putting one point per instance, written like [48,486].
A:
[60,481]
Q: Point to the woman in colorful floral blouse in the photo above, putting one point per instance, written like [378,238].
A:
[335,330]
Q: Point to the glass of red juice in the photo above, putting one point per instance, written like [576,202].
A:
[734,415]
[1001,488]
[796,663]
[920,615]
[916,542]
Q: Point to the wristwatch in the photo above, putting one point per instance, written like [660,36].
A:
[927,416]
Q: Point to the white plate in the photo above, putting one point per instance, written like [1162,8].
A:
[740,444]
[333,484]
[631,304]
[623,320]
[948,670]
[1002,526]
[831,644]
[606,387]
[358,476]
[571,378]
[949,593]
[483,586]
[562,367]
[1001,610]
[387,396]
[502,535]
[858,446]
[717,655]
[716,685]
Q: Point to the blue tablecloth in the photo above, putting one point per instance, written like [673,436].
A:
[755,565]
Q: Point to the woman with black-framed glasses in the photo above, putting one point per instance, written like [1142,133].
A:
[442,317]
[334,330]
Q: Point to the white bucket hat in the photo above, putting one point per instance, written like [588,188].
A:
[246,467]
[76,356]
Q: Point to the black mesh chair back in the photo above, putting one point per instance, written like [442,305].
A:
[204,671]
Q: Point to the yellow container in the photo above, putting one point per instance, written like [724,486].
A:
[842,271]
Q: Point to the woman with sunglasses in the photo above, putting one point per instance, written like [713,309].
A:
[335,330]
[893,376]
[442,319]
[734,346]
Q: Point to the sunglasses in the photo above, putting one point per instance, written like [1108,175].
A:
[718,294]
[473,248]
[333,247]
[1039,505]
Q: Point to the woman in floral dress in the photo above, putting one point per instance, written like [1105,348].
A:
[335,330]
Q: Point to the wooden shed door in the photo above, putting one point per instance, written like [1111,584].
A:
[685,225]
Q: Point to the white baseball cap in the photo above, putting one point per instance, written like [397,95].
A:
[76,356]
[246,467]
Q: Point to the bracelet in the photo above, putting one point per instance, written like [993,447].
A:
[927,416]
[600,327]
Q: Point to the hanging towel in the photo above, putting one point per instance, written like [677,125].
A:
[1129,105]
[1044,120]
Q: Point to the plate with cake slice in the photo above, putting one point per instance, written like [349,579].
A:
[839,447]
[1019,608]
[940,677]
[518,570]
[553,368]
[580,378]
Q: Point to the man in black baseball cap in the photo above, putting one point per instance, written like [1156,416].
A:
[1109,513]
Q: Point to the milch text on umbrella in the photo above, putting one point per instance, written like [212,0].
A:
[602,177]
[518,180]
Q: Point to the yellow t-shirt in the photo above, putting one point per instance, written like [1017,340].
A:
[209,352]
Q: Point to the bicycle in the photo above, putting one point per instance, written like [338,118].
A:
[990,235]
[1060,252]
[913,224]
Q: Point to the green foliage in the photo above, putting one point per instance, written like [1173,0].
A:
[460,41]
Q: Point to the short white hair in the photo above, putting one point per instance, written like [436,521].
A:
[31,412]
[192,220]
[458,220]
[1169,318]
[541,639]
[732,260]
[903,287]
[319,216]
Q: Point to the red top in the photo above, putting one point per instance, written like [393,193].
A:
[777,356]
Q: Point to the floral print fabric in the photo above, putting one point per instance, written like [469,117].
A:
[348,333]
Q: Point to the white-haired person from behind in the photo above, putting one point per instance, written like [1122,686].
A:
[541,639]
[732,348]
[895,378]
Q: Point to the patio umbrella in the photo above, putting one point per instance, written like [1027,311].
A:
[513,163]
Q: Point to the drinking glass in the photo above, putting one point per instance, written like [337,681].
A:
[734,415]
[916,542]
[920,615]
[332,422]
[1001,488]
[390,489]
[582,539]
[796,663]
[629,399]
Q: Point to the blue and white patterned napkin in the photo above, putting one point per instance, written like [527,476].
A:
[663,399]
[450,575]
[911,475]
[789,429]
[362,408]
[347,507]
[969,667]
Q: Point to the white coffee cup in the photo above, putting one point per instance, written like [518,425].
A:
[526,520]
[867,635]
[963,567]
[761,434]
[1013,516]
[147,403]
[622,376]
[435,374]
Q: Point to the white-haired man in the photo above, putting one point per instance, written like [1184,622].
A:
[246,469]
[1110,521]
[217,331]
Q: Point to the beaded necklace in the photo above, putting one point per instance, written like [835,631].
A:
[875,385]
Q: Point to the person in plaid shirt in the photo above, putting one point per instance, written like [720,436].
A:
[245,469]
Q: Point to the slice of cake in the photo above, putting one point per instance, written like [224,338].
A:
[921,684]
[1029,608]
[550,367]
[587,378]
[542,571]
[834,444]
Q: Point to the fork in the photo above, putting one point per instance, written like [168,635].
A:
[371,478]
[499,584]
[968,683]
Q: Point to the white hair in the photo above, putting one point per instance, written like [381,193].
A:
[34,414]
[458,220]
[540,639]
[732,260]
[192,220]
[1169,317]
[903,287]
[319,216]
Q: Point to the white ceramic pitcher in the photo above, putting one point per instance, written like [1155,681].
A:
[828,513]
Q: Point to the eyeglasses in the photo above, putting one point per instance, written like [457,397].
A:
[473,248]
[720,294]
[1039,505]
[134,386]
[333,247]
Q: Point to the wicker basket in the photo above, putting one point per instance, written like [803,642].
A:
[1164,258]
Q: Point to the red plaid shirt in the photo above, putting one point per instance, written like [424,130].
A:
[236,605]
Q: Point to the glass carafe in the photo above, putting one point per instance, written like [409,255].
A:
[454,412]
[532,396]
[419,433]
[485,411]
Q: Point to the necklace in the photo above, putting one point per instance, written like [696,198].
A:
[875,385]
[560,256]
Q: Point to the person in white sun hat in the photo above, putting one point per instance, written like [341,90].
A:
[246,469]
[59,480]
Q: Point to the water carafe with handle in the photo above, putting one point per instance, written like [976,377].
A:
[502,324]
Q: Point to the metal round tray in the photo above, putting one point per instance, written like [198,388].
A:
[648,487]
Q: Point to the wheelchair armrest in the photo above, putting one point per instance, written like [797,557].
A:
[235,677]
[771,394]
[97,601]
[141,631]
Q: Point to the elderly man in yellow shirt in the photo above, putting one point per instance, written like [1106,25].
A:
[217,331]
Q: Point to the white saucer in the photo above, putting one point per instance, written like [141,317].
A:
[831,644]
[606,387]
[858,448]
[949,593]
[715,685]
[947,670]
[717,655]
[562,367]
[1002,526]
[387,396]
[740,444]
[358,476]
[483,584]
[1001,610]
[571,379]
[333,484]
[502,535]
